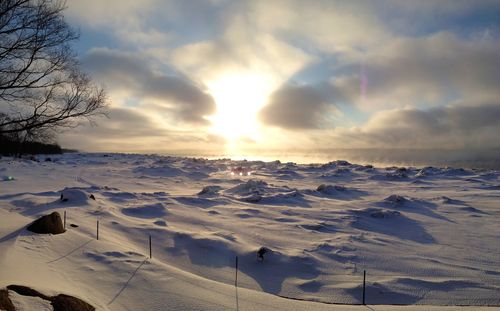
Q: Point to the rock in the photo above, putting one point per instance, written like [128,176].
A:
[60,302]
[210,190]
[330,189]
[5,302]
[51,223]
[396,199]
[27,291]
[63,302]
[260,253]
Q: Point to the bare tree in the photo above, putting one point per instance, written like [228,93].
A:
[41,85]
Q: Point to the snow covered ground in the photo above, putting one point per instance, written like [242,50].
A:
[425,236]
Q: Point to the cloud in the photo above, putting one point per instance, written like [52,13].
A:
[414,74]
[328,26]
[135,130]
[298,107]
[124,126]
[130,72]
[459,126]
[240,51]
[430,70]
[111,14]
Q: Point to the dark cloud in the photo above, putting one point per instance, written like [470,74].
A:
[123,122]
[132,130]
[122,128]
[297,107]
[133,73]
[442,127]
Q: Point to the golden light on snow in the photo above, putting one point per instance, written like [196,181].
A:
[239,97]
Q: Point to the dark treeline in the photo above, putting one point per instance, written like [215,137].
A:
[11,147]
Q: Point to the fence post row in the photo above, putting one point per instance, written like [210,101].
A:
[364,286]
[236,273]
[150,251]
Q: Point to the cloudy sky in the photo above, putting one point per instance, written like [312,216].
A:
[230,76]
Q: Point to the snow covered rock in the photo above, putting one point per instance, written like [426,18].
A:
[60,302]
[330,189]
[396,199]
[74,195]
[210,190]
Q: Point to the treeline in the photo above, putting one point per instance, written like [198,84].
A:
[11,147]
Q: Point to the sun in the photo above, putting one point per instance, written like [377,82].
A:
[239,97]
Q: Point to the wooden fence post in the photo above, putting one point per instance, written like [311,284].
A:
[97,230]
[236,273]
[364,286]
[150,251]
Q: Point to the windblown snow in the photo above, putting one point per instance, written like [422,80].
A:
[425,236]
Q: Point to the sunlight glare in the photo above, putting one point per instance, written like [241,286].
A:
[239,97]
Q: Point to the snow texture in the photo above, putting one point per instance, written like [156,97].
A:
[424,236]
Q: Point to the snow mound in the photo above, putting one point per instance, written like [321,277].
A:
[331,189]
[447,200]
[335,164]
[398,201]
[393,174]
[444,172]
[287,174]
[395,199]
[258,191]
[384,214]
[339,192]
[320,227]
[391,223]
[211,251]
[252,186]
[74,196]
[428,171]
[210,190]
[146,211]
[377,213]
[119,196]
[168,171]
[342,253]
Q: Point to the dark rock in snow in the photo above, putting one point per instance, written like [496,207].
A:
[5,302]
[51,223]
[27,291]
[210,190]
[330,189]
[63,302]
[260,253]
[396,199]
[60,302]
